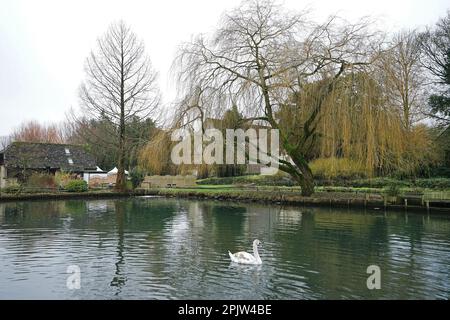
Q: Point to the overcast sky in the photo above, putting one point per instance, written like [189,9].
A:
[43,44]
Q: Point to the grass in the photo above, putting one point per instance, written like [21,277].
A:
[275,193]
[357,184]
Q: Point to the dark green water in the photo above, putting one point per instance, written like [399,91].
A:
[153,248]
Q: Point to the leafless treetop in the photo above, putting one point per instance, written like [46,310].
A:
[260,47]
[119,74]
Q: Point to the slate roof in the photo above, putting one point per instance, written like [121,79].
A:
[30,155]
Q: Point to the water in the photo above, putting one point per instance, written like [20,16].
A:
[154,248]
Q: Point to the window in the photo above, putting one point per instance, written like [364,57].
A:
[70,160]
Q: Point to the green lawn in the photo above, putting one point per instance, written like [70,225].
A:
[321,191]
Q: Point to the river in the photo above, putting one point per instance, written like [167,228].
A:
[157,248]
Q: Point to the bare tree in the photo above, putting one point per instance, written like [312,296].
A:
[120,85]
[435,45]
[403,80]
[4,142]
[259,58]
[33,131]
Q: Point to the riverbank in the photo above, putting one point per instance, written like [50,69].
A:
[287,196]
[66,195]
[270,195]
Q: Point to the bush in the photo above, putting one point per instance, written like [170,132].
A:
[433,183]
[280,179]
[62,179]
[136,177]
[440,172]
[11,189]
[76,186]
[41,180]
[392,190]
[430,183]
[129,186]
[379,182]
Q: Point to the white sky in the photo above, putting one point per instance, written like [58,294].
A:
[43,44]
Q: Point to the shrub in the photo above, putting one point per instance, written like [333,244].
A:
[383,182]
[440,172]
[76,186]
[379,183]
[282,179]
[392,190]
[434,183]
[129,186]
[62,179]
[279,179]
[41,180]
[136,177]
[11,189]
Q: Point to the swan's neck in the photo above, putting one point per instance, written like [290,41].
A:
[255,253]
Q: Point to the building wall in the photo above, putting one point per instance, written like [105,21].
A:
[168,181]
[99,180]
[86,177]
[254,168]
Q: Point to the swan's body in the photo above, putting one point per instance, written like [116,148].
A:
[245,257]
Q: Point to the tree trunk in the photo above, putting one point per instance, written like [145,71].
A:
[298,168]
[120,181]
[303,177]
[307,181]
[301,173]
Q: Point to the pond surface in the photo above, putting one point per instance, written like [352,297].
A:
[154,248]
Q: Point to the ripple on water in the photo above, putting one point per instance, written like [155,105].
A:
[168,249]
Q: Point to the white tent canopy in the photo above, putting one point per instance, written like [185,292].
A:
[115,170]
[100,174]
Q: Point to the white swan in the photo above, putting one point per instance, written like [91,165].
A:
[245,257]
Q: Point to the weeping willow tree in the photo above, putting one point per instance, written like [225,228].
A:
[259,55]
[357,122]
[154,157]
